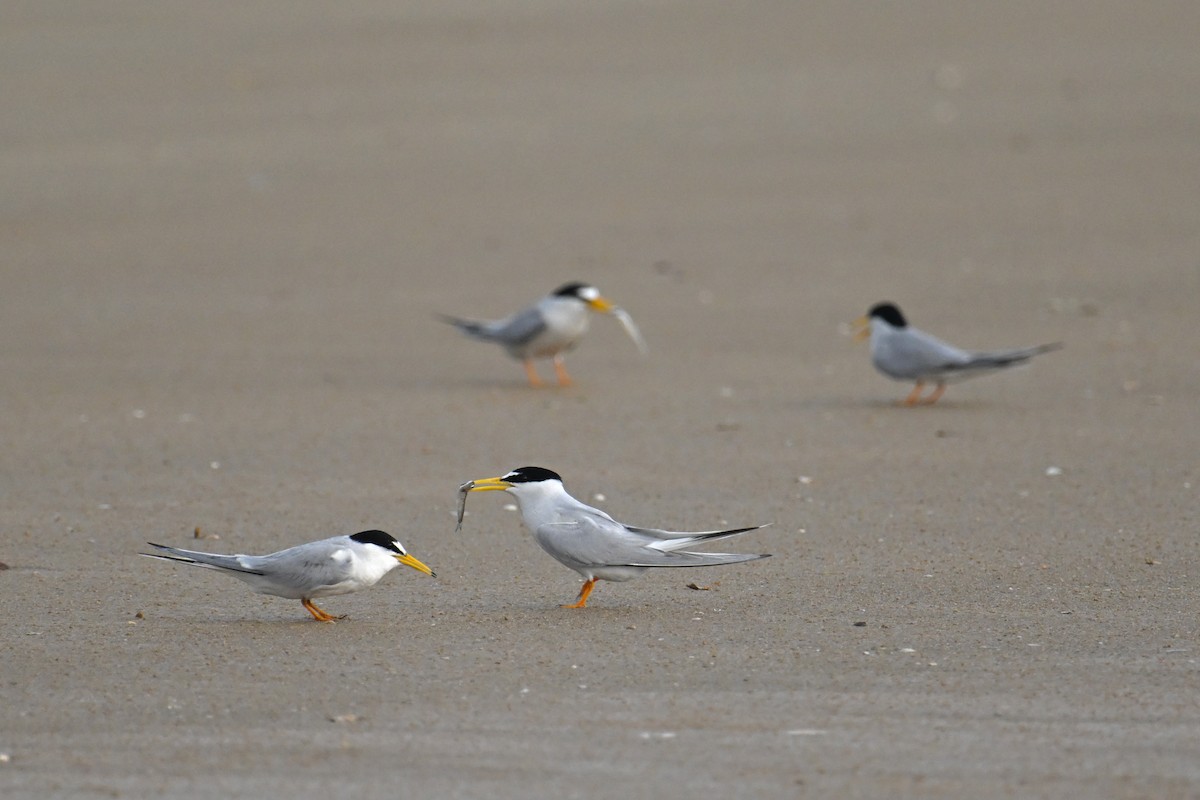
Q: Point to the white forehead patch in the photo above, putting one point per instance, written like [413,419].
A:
[589,293]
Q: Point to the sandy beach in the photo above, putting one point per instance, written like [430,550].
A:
[228,229]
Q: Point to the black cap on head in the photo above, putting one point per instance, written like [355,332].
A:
[571,289]
[380,539]
[889,313]
[532,475]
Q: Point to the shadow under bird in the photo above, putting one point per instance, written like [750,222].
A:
[340,565]
[548,328]
[905,353]
[591,542]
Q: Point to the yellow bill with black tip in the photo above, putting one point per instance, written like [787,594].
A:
[412,561]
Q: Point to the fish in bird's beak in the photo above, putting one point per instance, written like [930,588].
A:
[603,306]
[482,485]
[630,327]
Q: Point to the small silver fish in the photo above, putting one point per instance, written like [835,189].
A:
[630,328]
[463,491]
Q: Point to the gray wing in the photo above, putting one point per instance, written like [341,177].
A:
[511,332]
[998,359]
[597,542]
[912,353]
[316,565]
[519,328]
[306,568]
[677,540]
[232,563]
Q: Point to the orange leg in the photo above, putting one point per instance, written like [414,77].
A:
[938,392]
[318,614]
[915,395]
[531,371]
[583,594]
[560,369]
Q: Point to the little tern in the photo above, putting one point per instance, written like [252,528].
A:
[548,328]
[591,542]
[905,353]
[340,565]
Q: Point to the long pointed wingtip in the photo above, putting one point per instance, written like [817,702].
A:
[161,557]
[750,528]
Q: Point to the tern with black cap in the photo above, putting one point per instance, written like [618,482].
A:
[548,328]
[591,542]
[339,565]
[905,353]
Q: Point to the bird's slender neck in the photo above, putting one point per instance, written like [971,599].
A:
[544,503]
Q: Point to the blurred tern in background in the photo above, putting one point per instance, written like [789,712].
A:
[905,353]
[548,328]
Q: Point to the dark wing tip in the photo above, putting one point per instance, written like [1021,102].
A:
[744,530]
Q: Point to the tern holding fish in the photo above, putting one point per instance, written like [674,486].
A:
[591,542]
[548,328]
[905,353]
[340,565]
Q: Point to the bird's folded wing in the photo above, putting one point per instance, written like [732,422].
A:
[315,566]
[591,541]
[519,328]
[658,533]
[688,559]
[677,540]
[920,352]
[218,561]
[596,542]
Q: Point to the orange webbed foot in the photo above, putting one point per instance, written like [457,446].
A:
[583,594]
[319,614]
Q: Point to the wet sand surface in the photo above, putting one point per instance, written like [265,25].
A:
[227,228]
